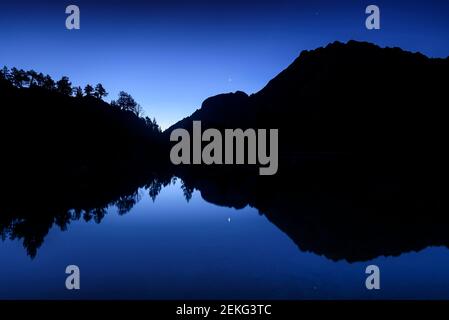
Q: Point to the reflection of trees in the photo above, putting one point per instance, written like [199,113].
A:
[99,214]
[155,186]
[187,190]
[323,210]
[62,220]
[125,203]
[31,231]
[31,223]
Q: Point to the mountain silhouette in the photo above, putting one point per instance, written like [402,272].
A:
[362,167]
[362,172]
[353,97]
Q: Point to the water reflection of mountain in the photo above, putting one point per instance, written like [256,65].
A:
[332,209]
[336,210]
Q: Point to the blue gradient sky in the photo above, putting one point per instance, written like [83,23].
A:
[171,55]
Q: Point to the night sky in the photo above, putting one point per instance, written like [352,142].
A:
[171,55]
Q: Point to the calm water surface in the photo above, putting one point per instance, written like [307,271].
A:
[174,249]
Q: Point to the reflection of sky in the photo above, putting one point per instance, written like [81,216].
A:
[171,55]
[171,249]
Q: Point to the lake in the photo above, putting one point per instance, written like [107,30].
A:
[171,248]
